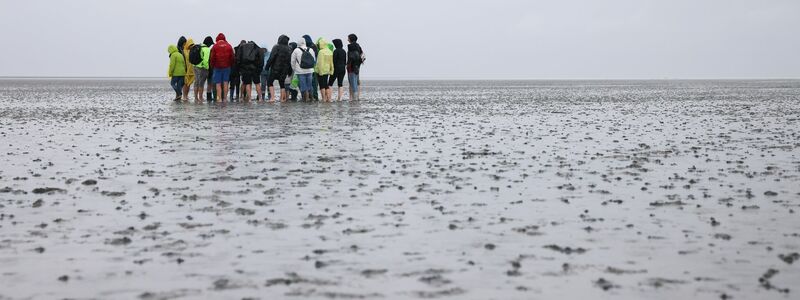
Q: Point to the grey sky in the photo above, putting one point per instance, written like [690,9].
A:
[422,39]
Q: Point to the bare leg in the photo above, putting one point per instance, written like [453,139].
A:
[272,93]
[225,88]
[185,92]
[219,93]
[258,92]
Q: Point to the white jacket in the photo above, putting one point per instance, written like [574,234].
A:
[297,55]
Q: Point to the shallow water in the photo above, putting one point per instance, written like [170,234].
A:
[464,190]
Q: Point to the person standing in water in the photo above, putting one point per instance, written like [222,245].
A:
[303,62]
[250,63]
[339,68]
[176,71]
[314,84]
[222,59]
[235,74]
[265,75]
[291,82]
[201,68]
[324,69]
[189,79]
[211,92]
[355,57]
[279,65]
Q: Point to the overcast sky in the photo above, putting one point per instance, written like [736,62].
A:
[490,39]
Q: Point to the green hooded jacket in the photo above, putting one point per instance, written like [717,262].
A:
[177,65]
[205,54]
[324,58]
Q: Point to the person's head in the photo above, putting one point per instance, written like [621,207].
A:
[283,40]
[352,38]
[189,44]
[308,40]
[221,37]
[322,43]
[262,50]
[242,42]
[172,49]
[181,42]
[301,43]
[338,43]
[208,41]
[293,45]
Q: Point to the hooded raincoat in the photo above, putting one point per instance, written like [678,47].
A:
[297,56]
[189,70]
[339,58]
[325,59]
[221,54]
[279,61]
[177,64]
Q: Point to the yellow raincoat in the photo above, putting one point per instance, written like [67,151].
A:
[190,69]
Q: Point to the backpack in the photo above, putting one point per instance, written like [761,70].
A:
[249,54]
[354,57]
[307,61]
[195,55]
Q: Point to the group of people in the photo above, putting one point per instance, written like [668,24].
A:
[301,68]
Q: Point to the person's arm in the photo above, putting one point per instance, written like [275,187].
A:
[295,66]
[330,66]
[171,66]
[271,60]
[211,58]
[233,59]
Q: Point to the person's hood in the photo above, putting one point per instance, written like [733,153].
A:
[301,43]
[172,49]
[189,44]
[322,43]
[208,41]
[181,42]
[221,37]
[283,40]
[338,43]
[308,40]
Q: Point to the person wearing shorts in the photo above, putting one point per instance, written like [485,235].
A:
[279,64]
[201,72]
[222,59]
[324,69]
[250,62]
[222,75]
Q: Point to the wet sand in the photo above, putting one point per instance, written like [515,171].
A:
[424,190]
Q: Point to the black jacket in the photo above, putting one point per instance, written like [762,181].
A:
[339,60]
[253,67]
[281,56]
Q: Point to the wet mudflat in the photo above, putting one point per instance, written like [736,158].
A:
[424,190]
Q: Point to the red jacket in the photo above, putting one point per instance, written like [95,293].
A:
[221,54]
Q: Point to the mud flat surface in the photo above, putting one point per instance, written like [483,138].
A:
[424,190]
